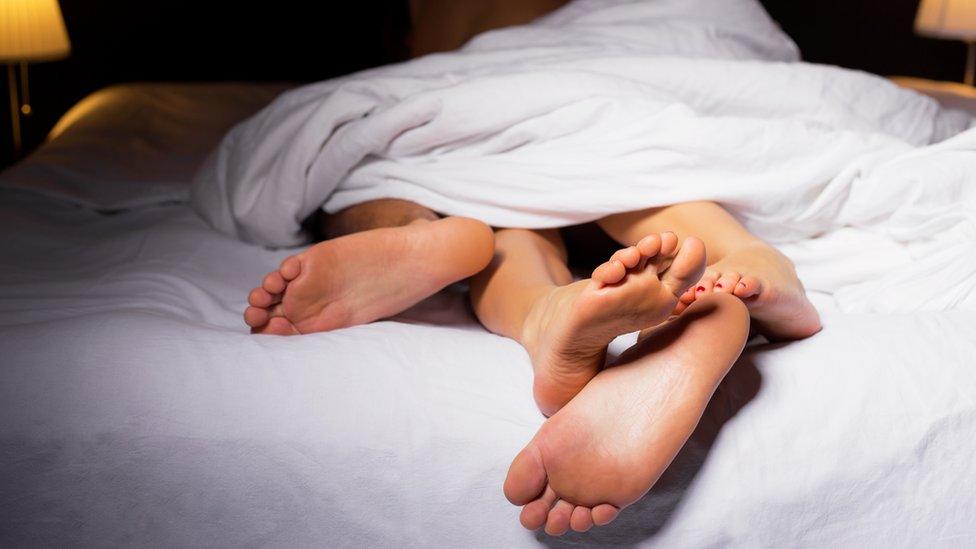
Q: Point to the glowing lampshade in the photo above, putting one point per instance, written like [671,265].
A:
[32,30]
[952,19]
[947,19]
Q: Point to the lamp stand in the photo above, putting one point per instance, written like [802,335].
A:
[971,63]
[14,109]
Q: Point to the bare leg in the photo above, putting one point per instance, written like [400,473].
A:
[375,214]
[386,256]
[608,446]
[527,294]
[739,263]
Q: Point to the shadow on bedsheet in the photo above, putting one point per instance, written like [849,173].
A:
[642,521]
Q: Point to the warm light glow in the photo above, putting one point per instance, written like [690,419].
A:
[32,30]
[947,19]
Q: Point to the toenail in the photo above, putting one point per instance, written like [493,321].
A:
[718,285]
[700,288]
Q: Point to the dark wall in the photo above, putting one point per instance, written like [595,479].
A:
[872,35]
[121,40]
[197,40]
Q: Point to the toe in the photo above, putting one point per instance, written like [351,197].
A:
[686,267]
[526,477]
[689,296]
[558,522]
[277,325]
[611,272]
[669,243]
[535,513]
[707,283]
[711,276]
[259,297]
[273,283]
[748,286]
[290,268]
[581,519]
[650,245]
[255,317]
[703,288]
[630,257]
[604,514]
[726,283]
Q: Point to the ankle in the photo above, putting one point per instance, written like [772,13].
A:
[533,307]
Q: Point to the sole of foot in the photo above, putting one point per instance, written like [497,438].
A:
[766,282]
[608,446]
[366,276]
[568,328]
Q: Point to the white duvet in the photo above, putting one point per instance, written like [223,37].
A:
[611,106]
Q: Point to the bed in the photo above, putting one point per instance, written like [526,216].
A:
[136,410]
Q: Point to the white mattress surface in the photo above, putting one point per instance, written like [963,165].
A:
[136,410]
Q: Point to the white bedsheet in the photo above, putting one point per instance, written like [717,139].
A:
[135,410]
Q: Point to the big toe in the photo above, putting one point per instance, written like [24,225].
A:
[687,266]
[748,286]
[526,477]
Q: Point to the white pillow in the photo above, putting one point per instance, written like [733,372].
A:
[130,145]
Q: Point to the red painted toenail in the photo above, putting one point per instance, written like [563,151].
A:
[700,288]
[718,285]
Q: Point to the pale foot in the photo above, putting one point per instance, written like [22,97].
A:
[366,276]
[606,448]
[766,282]
[568,329]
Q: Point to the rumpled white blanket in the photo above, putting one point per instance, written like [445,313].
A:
[607,106]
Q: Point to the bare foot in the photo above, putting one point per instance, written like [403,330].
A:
[606,448]
[366,276]
[568,329]
[766,282]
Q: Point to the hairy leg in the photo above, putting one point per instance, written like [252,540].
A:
[739,263]
[375,214]
[527,294]
[383,257]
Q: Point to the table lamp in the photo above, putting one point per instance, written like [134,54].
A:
[30,31]
[952,19]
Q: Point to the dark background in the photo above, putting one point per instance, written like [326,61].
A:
[181,40]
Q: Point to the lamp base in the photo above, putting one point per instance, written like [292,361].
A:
[14,109]
[970,63]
